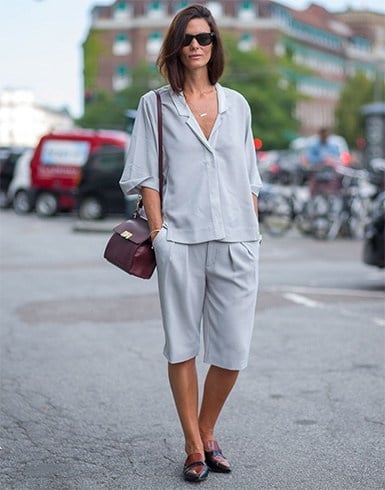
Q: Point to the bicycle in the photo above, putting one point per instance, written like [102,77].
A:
[279,212]
[339,207]
[349,209]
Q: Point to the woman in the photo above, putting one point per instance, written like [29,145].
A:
[205,232]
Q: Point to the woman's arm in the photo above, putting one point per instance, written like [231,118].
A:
[255,202]
[151,203]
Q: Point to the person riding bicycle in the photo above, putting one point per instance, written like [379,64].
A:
[322,157]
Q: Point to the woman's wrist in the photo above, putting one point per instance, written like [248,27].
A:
[154,232]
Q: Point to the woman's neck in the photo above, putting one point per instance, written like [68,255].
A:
[197,86]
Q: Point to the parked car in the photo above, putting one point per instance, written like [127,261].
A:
[302,143]
[374,238]
[9,157]
[264,160]
[19,195]
[57,162]
[99,193]
[285,168]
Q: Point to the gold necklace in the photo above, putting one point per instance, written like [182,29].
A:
[205,112]
[195,110]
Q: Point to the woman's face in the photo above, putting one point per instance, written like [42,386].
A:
[194,56]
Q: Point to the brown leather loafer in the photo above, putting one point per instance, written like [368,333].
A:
[215,459]
[195,469]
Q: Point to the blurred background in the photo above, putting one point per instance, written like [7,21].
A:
[85,64]
[297,63]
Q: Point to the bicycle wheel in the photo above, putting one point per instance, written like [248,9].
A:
[303,219]
[277,214]
[336,215]
[357,217]
[324,213]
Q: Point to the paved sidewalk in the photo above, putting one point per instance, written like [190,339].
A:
[85,402]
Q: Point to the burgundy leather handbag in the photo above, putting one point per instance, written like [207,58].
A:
[130,246]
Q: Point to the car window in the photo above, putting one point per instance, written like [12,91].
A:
[108,162]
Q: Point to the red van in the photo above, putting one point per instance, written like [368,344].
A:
[57,162]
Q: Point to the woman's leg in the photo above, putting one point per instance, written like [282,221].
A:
[218,385]
[184,385]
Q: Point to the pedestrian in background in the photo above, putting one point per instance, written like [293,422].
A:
[205,232]
[322,157]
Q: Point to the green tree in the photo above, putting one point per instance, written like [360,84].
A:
[102,111]
[271,95]
[108,111]
[144,77]
[357,91]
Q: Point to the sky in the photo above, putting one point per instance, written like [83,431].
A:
[41,45]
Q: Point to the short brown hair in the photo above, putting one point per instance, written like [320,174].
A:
[169,62]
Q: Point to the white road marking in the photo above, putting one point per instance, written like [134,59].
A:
[302,300]
[359,293]
[379,321]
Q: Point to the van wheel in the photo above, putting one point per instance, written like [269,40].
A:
[46,205]
[91,208]
[22,204]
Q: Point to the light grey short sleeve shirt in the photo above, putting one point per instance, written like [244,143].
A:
[208,183]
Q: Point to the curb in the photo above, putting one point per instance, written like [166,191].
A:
[104,226]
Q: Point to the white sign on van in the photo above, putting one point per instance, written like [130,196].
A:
[59,152]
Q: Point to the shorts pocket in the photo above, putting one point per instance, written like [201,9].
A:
[252,248]
[157,236]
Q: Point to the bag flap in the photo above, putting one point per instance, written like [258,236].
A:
[135,229]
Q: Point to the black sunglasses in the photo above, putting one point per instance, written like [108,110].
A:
[204,39]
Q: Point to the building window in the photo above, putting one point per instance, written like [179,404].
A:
[154,43]
[360,43]
[281,15]
[121,78]
[156,9]
[246,11]
[122,10]
[246,42]
[122,45]
[215,8]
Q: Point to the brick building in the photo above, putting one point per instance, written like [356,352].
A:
[333,45]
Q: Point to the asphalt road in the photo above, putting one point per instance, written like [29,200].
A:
[85,402]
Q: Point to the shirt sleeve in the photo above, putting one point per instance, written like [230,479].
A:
[334,151]
[141,166]
[313,153]
[251,156]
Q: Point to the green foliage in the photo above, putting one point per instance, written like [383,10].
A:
[358,90]
[92,48]
[103,112]
[108,111]
[144,77]
[272,96]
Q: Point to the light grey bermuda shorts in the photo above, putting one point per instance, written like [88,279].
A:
[213,284]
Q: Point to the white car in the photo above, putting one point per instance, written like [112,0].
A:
[303,143]
[19,188]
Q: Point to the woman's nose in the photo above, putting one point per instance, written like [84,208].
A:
[194,44]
